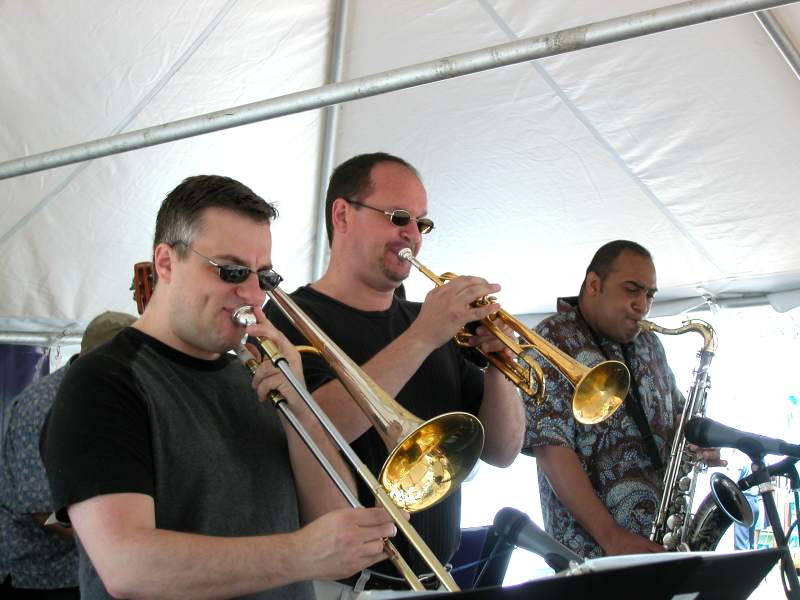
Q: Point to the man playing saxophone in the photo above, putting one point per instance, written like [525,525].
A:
[600,485]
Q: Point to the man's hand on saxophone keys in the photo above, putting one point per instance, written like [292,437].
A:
[710,457]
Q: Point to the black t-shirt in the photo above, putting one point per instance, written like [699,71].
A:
[445,382]
[138,416]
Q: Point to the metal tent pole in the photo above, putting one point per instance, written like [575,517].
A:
[550,44]
[331,120]
[782,42]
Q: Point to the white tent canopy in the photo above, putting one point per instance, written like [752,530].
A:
[687,141]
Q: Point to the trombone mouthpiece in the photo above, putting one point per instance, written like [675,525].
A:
[243,316]
[406,254]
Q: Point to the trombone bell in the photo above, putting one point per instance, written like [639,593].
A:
[427,460]
[432,461]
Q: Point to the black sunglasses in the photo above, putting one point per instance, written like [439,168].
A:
[400,217]
[267,278]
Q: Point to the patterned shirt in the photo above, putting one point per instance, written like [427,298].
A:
[612,453]
[35,558]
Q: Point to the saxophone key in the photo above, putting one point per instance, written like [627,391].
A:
[674,521]
[679,503]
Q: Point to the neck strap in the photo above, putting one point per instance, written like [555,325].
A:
[633,402]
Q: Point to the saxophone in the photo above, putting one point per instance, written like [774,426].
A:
[674,526]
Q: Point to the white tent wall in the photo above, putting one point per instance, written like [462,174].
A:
[686,141]
[70,235]
[678,140]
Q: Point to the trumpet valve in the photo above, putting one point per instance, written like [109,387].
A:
[462,337]
[485,301]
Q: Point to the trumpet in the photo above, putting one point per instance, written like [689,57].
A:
[427,461]
[599,390]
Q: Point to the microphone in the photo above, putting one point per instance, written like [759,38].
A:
[518,529]
[707,433]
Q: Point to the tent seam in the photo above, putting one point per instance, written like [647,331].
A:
[605,144]
[140,106]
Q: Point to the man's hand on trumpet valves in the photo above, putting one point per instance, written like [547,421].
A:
[268,377]
[447,308]
[488,342]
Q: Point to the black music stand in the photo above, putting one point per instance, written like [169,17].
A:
[703,576]
[730,575]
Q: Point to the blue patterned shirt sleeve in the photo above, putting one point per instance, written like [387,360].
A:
[36,558]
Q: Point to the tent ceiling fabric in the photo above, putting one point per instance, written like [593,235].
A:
[686,141]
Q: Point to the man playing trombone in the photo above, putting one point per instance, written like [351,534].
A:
[376,205]
[177,480]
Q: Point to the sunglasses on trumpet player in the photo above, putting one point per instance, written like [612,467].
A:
[399,217]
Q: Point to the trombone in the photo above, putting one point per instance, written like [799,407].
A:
[599,390]
[428,461]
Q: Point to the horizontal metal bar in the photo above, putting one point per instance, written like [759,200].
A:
[541,46]
[24,338]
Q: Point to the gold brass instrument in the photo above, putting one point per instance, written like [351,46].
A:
[599,390]
[427,461]
[252,357]
[674,526]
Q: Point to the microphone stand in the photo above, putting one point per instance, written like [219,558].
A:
[766,488]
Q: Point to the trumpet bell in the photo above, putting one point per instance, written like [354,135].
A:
[600,392]
[432,460]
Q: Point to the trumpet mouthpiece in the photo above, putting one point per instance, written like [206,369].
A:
[406,254]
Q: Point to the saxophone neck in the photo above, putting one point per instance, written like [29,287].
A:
[696,325]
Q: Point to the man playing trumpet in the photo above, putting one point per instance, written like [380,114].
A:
[376,205]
